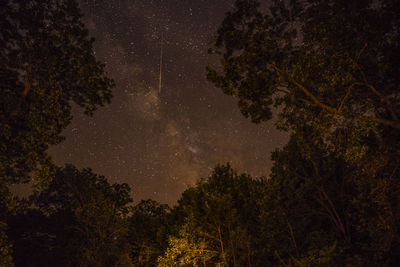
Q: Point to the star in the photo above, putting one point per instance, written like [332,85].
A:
[162,143]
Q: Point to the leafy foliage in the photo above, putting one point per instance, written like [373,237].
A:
[47,62]
[327,64]
[332,198]
[148,229]
[80,219]
[331,68]
[5,247]
[218,222]
[186,249]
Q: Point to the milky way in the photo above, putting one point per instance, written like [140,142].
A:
[160,143]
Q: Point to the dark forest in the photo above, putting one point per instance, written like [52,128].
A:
[327,72]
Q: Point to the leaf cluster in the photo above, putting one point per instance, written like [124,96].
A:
[47,63]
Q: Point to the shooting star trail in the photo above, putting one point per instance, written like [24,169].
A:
[161,61]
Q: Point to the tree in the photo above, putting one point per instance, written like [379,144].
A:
[6,204]
[328,64]
[148,232]
[318,210]
[187,248]
[306,209]
[47,62]
[331,68]
[217,222]
[80,220]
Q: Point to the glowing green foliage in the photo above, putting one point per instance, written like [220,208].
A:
[218,222]
[187,250]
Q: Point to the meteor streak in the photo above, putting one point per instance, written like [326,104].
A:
[161,60]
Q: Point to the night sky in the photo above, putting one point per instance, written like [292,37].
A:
[160,143]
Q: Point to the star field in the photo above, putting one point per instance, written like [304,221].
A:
[161,143]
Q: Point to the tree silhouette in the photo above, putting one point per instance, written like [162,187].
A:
[46,64]
[79,220]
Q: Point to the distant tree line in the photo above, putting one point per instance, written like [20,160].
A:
[330,69]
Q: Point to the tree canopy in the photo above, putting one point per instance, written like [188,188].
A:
[328,65]
[148,230]
[217,222]
[79,219]
[328,69]
[47,63]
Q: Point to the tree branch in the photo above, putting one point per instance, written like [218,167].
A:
[27,83]
[374,90]
[385,99]
[305,90]
[26,90]
[292,237]
[347,94]
[394,124]
[339,221]
[361,51]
